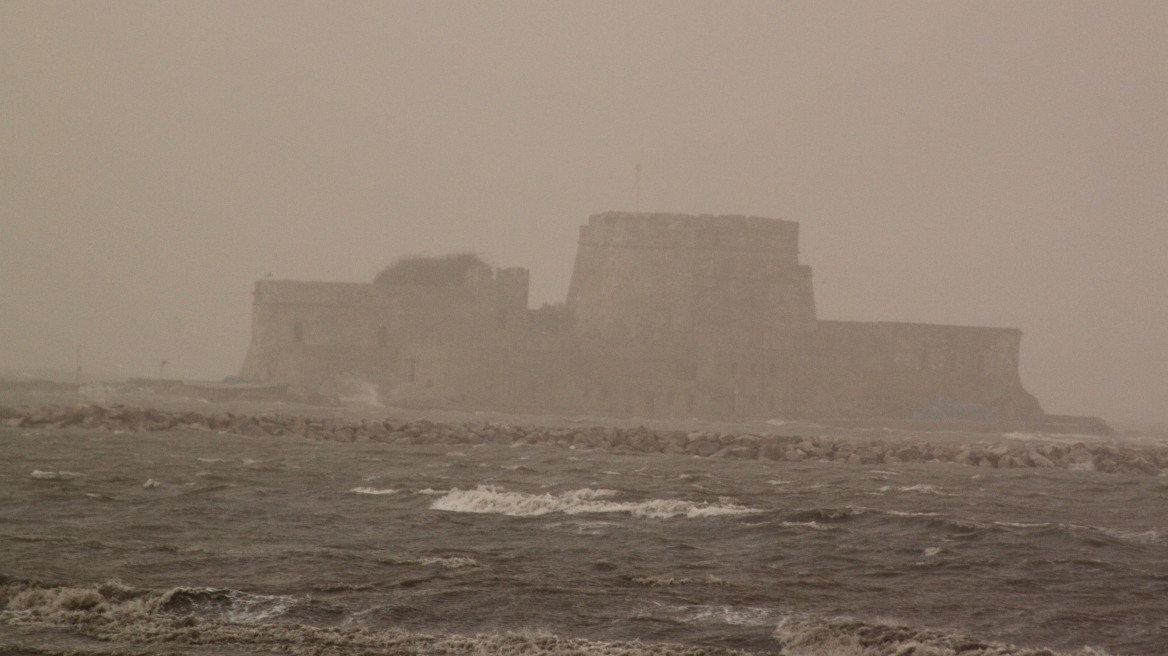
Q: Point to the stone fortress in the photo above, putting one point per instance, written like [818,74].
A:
[666,316]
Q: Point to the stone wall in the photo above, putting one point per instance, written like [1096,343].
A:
[910,370]
[412,342]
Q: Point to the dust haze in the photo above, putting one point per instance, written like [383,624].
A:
[990,164]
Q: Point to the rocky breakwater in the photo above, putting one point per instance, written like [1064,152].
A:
[1036,452]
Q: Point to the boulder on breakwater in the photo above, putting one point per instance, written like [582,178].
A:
[1037,453]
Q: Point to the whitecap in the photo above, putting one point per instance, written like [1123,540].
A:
[1145,537]
[1148,536]
[1023,524]
[371,490]
[583,527]
[249,608]
[920,487]
[908,513]
[732,615]
[495,500]
[814,525]
[61,475]
[449,562]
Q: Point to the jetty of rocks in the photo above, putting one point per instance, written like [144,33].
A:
[1038,452]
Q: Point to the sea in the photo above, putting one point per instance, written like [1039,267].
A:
[189,542]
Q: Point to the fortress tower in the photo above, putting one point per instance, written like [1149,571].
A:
[674,278]
[690,314]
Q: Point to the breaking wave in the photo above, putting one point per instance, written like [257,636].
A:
[200,616]
[372,490]
[61,475]
[843,636]
[494,500]
[919,488]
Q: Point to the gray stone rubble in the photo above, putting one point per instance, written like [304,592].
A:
[1039,452]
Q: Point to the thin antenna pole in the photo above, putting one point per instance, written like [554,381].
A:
[638,186]
[77,372]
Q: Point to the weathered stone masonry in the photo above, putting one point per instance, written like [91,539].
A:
[666,315]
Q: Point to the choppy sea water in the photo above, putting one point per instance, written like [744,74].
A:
[196,542]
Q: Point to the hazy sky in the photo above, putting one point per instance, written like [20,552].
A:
[981,163]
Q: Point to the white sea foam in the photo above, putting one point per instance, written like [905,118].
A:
[97,392]
[1024,524]
[359,393]
[733,615]
[251,608]
[814,525]
[1143,537]
[1149,536]
[61,475]
[449,562]
[921,488]
[495,500]
[372,490]
[906,513]
[583,527]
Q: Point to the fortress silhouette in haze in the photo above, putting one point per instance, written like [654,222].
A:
[667,315]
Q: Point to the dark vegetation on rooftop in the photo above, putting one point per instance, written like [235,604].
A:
[447,271]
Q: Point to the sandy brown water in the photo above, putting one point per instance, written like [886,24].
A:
[258,538]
